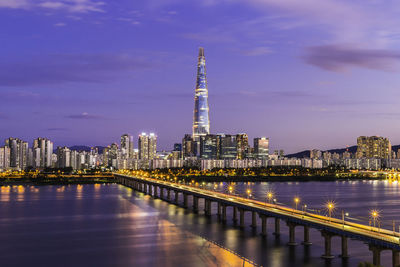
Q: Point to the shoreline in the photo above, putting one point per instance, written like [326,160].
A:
[210,179]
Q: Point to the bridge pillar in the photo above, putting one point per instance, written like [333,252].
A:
[176,197]
[253,219]
[395,258]
[234,214]
[185,200]
[376,254]
[219,209]
[168,194]
[345,253]
[263,225]
[161,192]
[306,236]
[207,207]
[328,246]
[241,218]
[223,213]
[195,204]
[150,189]
[292,239]
[277,227]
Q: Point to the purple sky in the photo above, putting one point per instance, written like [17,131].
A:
[308,74]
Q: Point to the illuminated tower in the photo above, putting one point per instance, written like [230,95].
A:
[201,122]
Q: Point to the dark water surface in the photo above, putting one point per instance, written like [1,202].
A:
[111,225]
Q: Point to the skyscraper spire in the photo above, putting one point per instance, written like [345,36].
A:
[201,122]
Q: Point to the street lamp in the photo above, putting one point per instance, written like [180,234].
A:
[296,201]
[230,188]
[248,192]
[330,206]
[374,216]
[270,196]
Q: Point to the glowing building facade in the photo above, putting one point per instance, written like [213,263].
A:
[201,122]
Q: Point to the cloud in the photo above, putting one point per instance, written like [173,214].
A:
[60,24]
[71,6]
[258,51]
[57,129]
[66,68]
[84,116]
[15,4]
[341,57]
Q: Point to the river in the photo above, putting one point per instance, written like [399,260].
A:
[111,225]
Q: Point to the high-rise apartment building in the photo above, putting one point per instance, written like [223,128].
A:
[209,146]
[63,157]
[373,147]
[242,141]
[18,153]
[201,122]
[45,147]
[261,147]
[147,144]
[4,158]
[127,145]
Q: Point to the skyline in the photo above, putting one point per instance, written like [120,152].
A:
[84,74]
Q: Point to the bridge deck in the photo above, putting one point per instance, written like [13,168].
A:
[371,235]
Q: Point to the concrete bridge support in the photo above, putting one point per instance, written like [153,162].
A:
[155,191]
[345,253]
[234,214]
[223,213]
[241,218]
[185,200]
[161,192]
[207,207]
[328,247]
[263,225]
[195,204]
[306,241]
[277,227]
[150,189]
[292,238]
[376,254]
[254,219]
[176,197]
[395,258]
[219,210]
[168,195]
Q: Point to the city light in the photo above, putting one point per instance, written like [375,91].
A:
[248,191]
[330,207]
[375,216]
[296,201]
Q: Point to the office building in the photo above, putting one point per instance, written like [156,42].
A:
[261,147]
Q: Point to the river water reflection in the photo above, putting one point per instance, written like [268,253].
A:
[111,225]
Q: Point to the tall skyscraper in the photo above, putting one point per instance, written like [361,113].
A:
[147,146]
[127,145]
[201,122]
[373,147]
[242,141]
[18,153]
[261,147]
[46,152]
[189,146]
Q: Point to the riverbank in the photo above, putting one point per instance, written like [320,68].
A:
[275,178]
[56,180]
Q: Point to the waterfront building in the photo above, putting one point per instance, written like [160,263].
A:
[242,141]
[209,146]
[189,147]
[45,147]
[227,146]
[63,157]
[127,145]
[4,158]
[147,144]
[261,147]
[18,153]
[201,122]
[373,147]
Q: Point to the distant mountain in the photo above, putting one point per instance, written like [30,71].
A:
[351,149]
[86,148]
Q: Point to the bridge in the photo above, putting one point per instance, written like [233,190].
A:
[377,239]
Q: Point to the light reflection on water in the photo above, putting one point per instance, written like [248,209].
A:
[103,225]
